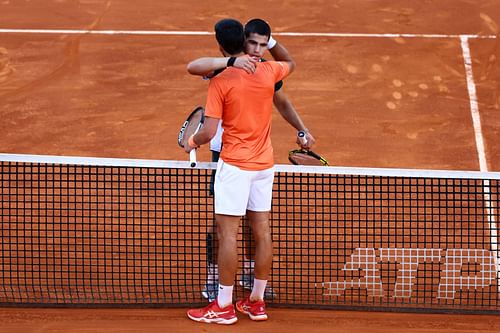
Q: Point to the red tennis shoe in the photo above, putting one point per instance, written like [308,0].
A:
[255,310]
[213,313]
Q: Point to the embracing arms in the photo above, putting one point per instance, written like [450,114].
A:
[208,65]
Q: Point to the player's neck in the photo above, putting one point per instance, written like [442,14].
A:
[227,54]
[232,55]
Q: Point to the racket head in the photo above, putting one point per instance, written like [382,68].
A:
[192,124]
[306,157]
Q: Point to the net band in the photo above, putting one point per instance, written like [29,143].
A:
[331,170]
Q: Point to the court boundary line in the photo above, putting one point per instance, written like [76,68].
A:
[474,106]
[208,33]
[481,152]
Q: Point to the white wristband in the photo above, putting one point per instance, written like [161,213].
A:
[271,43]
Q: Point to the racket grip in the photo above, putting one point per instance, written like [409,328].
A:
[192,158]
[302,137]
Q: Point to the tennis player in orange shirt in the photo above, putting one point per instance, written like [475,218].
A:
[258,40]
[245,171]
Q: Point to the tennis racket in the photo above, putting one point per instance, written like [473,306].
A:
[192,125]
[304,156]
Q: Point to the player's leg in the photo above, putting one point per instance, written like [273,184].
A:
[259,206]
[232,191]
[247,276]
[262,190]
[227,233]
[261,231]
[221,310]
[232,187]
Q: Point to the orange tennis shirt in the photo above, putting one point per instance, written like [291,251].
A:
[244,102]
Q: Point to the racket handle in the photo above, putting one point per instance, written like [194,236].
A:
[192,158]
[302,137]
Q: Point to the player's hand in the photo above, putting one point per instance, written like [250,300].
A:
[191,145]
[247,63]
[308,143]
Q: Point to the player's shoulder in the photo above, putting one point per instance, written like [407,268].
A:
[213,74]
[225,72]
[272,64]
[220,75]
[224,79]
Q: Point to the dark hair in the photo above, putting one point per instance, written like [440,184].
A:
[257,26]
[229,34]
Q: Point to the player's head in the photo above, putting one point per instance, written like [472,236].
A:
[230,36]
[257,33]
[257,26]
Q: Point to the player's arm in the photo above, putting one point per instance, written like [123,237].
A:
[288,112]
[278,51]
[205,66]
[291,66]
[213,113]
[280,99]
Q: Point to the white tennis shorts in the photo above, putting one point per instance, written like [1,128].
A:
[237,190]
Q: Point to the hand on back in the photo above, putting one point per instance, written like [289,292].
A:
[247,63]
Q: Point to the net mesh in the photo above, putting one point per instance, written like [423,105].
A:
[136,234]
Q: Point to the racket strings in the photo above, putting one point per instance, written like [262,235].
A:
[305,158]
[191,127]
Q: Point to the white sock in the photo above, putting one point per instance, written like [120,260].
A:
[259,287]
[225,296]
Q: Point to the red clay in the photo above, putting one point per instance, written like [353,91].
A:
[281,320]
[375,102]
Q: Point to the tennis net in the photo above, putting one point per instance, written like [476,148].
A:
[79,231]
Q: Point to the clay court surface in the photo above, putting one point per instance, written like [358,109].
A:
[370,100]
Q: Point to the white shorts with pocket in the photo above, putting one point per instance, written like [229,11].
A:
[237,190]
